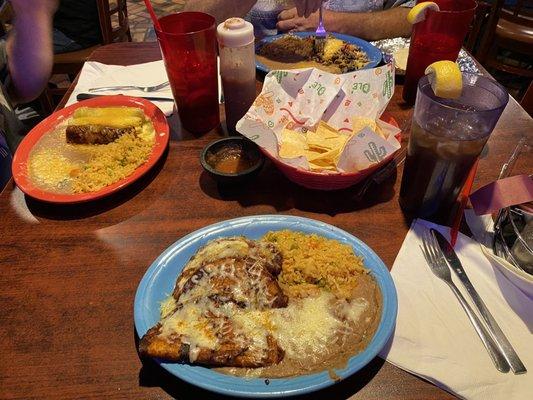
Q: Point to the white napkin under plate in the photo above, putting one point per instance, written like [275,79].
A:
[434,338]
[95,74]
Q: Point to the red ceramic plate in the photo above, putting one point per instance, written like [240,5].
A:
[20,160]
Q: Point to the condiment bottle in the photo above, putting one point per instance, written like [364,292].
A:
[237,68]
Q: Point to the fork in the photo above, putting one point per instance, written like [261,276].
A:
[439,267]
[320,30]
[145,89]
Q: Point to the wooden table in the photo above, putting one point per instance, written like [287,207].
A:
[69,273]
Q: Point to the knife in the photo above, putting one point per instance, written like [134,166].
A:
[85,96]
[508,352]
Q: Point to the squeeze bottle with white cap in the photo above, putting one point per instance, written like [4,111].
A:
[237,68]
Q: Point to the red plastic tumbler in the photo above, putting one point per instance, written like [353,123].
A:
[438,37]
[189,47]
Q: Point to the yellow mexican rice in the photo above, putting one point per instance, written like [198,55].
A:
[311,262]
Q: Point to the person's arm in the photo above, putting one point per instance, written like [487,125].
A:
[29,48]
[370,26]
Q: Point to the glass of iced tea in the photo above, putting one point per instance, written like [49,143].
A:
[447,136]
[189,47]
[438,37]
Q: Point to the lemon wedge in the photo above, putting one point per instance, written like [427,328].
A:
[446,79]
[418,12]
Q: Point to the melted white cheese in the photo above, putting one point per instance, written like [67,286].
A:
[167,307]
[305,327]
[254,325]
[190,323]
[352,311]
[232,247]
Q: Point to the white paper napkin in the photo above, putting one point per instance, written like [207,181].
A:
[434,338]
[95,74]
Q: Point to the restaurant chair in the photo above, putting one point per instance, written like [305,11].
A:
[509,29]
[527,100]
[473,38]
[113,17]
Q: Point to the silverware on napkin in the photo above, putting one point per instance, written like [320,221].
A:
[501,340]
[85,96]
[439,267]
[146,89]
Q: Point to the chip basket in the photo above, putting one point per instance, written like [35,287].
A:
[328,180]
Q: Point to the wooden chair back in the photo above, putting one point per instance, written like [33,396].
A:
[509,28]
[114,25]
[114,21]
[112,16]
[473,38]
[519,13]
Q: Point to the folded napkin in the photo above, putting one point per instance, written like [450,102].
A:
[95,74]
[434,338]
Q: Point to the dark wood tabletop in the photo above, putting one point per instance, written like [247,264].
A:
[69,273]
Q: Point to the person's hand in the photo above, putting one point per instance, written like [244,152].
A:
[41,7]
[288,20]
[304,8]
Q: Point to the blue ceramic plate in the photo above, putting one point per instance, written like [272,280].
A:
[159,280]
[372,52]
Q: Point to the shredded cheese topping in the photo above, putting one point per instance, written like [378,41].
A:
[306,327]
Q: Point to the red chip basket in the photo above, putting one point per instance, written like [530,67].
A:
[328,180]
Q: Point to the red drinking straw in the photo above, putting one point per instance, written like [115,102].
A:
[152,15]
[465,193]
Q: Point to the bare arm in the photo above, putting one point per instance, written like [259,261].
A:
[30,49]
[370,26]
[220,9]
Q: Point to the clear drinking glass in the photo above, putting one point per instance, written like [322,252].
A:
[447,136]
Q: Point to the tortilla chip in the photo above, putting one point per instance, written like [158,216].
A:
[325,160]
[322,148]
[360,123]
[325,138]
[326,131]
[293,144]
